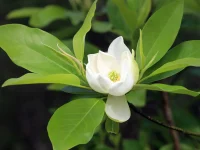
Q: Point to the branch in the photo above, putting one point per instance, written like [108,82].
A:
[169,119]
[163,124]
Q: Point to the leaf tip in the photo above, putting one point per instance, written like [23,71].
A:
[4,85]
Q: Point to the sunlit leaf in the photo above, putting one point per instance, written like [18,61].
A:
[79,38]
[31,78]
[166,88]
[175,65]
[74,123]
[36,50]
[160,32]
[188,49]
[89,49]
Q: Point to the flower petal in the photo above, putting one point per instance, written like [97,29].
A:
[92,62]
[106,63]
[93,80]
[104,82]
[128,76]
[129,66]
[117,108]
[117,47]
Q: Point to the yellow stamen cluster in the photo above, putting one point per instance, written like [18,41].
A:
[114,76]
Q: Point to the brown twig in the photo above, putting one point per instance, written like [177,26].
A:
[169,119]
[163,124]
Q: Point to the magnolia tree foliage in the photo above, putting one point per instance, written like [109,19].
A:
[112,80]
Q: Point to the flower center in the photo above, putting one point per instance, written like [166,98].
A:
[114,76]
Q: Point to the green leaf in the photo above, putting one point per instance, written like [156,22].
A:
[137,97]
[35,50]
[182,146]
[142,9]
[143,12]
[75,122]
[160,31]
[174,65]
[140,58]
[134,4]
[101,26]
[188,49]
[23,12]
[112,126]
[166,88]
[160,76]
[128,14]
[89,49]
[31,78]
[79,38]
[47,15]
[117,21]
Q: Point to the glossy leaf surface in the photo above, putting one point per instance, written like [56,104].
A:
[31,78]
[75,122]
[160,32]
[79,38]
[167,88]
[35,50]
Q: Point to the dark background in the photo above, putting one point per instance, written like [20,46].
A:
[25,110]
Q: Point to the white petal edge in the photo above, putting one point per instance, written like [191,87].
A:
[117,108]
[106,63]
[117,47]
[104,82]
[127,73]
[92,62]
[93,80]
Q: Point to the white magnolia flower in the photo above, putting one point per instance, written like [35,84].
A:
[114,73]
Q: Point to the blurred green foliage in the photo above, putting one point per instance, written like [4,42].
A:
[113,17]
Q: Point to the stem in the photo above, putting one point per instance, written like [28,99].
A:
[169,119]
[163,124]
